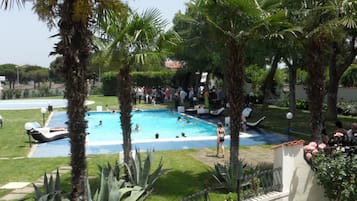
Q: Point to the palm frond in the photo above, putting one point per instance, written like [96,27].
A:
[8,4]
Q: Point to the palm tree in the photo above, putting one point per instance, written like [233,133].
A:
[236,23]
[74,22]
[128,40]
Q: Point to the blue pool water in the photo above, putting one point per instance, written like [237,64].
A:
[107,139]
[161,122]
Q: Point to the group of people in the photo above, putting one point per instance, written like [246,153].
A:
[341,137]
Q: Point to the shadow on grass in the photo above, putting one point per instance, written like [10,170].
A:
[178,184]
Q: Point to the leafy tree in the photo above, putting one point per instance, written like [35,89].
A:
[199,49]
[10,73]
[278,46]
[343,50]
[349,78]
[55,73]
[320,21]
[37,75]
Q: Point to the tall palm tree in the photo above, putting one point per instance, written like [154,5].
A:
[233,21]
[236,23]
[74,18]
[128,40]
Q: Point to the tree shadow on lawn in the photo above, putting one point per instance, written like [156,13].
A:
[178,184]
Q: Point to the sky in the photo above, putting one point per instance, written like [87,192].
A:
[26,40]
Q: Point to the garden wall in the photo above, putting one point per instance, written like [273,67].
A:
[299,182]
[344,94]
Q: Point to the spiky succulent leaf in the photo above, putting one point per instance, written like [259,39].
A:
[58,182]
[38,192]
[146,170]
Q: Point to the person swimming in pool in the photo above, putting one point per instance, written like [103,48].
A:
[137,128]
[100,123]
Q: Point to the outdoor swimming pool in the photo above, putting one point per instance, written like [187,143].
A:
[161,122]
[107,139]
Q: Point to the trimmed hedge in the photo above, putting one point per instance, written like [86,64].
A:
[109,86]
[146,78]
[152,78]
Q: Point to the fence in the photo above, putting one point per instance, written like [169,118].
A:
[199,196]
[260,183]
[251,185]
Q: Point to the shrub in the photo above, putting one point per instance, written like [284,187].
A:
[109,84]
[336,170]
[26,93]
[349,77]
[302,104]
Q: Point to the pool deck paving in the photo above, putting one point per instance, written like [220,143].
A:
[252,155]
[21,189]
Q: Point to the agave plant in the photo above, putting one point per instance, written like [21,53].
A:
[139,174]
[112,185]
[53,189]
[227,175]
[107,169]
[112,189]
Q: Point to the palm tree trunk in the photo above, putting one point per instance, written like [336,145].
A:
[292,91]
[124,89]
[292,83]
[336,71]
[315,85]
[74,45]
[235,94]
[268,82]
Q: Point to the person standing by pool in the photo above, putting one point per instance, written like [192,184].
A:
[220,139]
[206,98]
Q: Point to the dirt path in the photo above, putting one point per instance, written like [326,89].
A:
[252,155]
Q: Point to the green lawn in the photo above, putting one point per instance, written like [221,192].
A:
[186,175]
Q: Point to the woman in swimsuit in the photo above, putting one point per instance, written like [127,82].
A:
[220,139]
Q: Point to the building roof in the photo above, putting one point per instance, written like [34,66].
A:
[173,64]
[291,143]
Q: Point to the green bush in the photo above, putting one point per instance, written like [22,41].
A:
[255,75]
[147,79]
[336,170]
[349,77]
[44,90]
[26,93]
[302,104]
[109,87]
[152,78]
[337,174]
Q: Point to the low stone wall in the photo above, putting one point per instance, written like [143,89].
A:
[344,94]
[299,182]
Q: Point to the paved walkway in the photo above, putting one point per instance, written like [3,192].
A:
[252,155]
[21,189]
